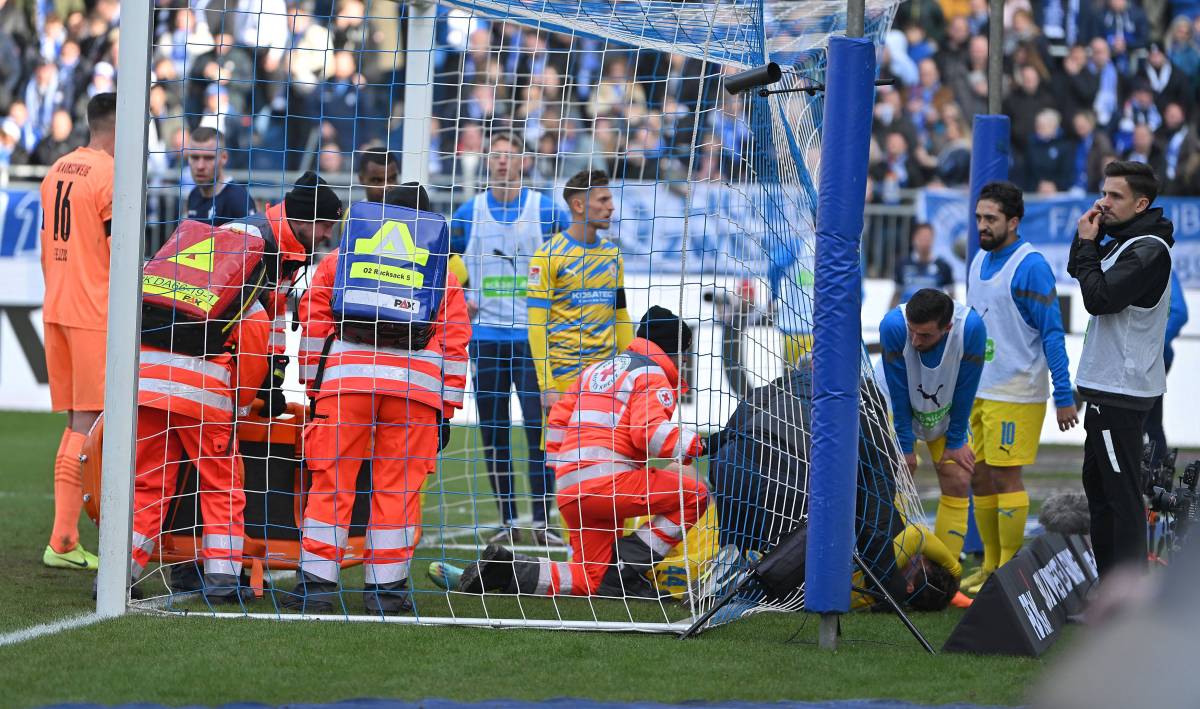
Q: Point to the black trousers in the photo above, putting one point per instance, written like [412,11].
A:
[1112,479]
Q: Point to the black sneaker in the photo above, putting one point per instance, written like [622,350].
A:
[185,578]
[387,598]
[493,571]
[311,595]
[223,589]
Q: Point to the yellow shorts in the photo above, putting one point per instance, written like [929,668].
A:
[937,448]
[1005,434]
[796,347]
[75,365]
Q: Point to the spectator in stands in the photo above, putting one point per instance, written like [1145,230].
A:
[1145,149]
[926,98]
[166,121]
[1029,98]
[617,91]
[185,35]
[895,59]
[1123,26]
[925,14]
[42,98]
[1107,102]
[103,81]
[898,170]
[921,269]
[1064,23]
[330,159]
[60,140]
[377,171]
[891,116]
[1167,83]
[977,16]
[213,200]
[11,151]
[19,117]
[71,72]
[1075,85]
[1092,147]
[954,155]
[1048,159]
[1139,110]
[1180,146]
[1182,48]
[970,86]
[223,62]
[953,56]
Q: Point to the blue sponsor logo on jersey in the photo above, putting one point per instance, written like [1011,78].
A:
[593,296]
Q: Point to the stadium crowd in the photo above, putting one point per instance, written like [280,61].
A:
[307,82]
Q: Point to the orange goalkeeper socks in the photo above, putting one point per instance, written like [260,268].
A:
[68,492]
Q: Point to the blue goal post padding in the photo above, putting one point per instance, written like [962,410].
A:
[837,323]
[991,153]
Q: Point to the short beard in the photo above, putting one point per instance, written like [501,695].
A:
[993,242]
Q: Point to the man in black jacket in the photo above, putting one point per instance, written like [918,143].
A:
[1125,286]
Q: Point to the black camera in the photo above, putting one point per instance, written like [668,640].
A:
[1178,503]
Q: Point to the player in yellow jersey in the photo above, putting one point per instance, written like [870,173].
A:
[576,291]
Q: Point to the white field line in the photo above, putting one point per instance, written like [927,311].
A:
[58,626]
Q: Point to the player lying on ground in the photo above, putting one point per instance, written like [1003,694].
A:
[758,471]
[599,438]
[386,367]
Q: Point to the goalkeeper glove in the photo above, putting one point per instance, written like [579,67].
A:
[274,402]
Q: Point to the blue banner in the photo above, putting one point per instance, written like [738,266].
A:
[1049,225]
[20,222]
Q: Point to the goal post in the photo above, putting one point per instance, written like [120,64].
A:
[127,247]
[716,214]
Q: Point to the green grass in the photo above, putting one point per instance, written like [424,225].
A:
[176,660]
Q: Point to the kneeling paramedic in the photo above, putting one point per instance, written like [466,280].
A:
[204,353]
[599,437]
[384,356]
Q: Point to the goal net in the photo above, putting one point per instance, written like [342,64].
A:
[493,107]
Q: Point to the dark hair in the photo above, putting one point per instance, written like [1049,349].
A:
[929,305]
[516,140]
[203,134]
[376,156]
[1140,176]
[1007,195]
[411,195]
[935,594]
[102,110]
[581,181]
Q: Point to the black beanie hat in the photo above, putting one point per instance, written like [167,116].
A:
[312,198]
[665,329]
[411,195]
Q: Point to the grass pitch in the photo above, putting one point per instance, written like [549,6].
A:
[199,660]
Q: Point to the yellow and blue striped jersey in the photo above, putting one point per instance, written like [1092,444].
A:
[576,302]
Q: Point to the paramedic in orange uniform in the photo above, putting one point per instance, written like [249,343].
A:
[394,402]
[294,229]
[186,410]
[599,437]
[76,225]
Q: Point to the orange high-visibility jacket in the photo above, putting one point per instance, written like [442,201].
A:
[616,416]
[212,389]
[435,376]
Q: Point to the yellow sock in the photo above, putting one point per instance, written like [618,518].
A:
[1012,509]
[951,524]
[986,521]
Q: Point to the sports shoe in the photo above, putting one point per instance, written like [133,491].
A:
[311,595]
[961,601]
[444,576]
[505,536]
[493,571]
[973,584]
[543,537]
[222,589]
[387,598]
[78,558]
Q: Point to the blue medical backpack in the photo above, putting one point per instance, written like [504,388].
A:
[391,275]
